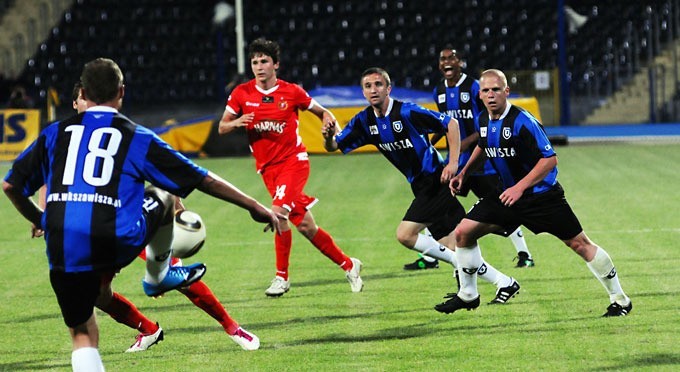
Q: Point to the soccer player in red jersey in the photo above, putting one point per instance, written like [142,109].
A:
[267,107]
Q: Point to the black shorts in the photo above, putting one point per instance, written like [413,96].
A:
[153,212]
[434,206]
[76,294]
[546,212]
[481,186]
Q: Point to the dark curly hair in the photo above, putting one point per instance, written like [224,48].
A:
[265,47]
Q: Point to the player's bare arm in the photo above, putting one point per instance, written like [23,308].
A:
[512,194]
[476,159]
[453,139]
[328,131]
[322,113]
[215,186]
[37,232]
[229,121]
[329,126]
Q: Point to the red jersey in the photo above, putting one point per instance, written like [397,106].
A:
[273,133]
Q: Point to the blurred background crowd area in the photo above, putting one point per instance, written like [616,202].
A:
[618,64]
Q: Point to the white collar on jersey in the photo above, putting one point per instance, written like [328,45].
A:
[505,113]
[460,81]
[102,108]
[387,112]
[268,91]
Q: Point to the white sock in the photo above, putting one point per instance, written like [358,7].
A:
[427,258]
[158,255]
[603,269]
[493,276]
[430,247]
[517,238]
[86,359]
[469,261]
[427,232]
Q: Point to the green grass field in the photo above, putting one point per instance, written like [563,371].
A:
[625,195]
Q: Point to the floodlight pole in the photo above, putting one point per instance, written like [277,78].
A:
[565,110]
[240,42]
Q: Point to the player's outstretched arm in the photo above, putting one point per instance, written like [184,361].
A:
[217,187]
[324,114]
[328,131]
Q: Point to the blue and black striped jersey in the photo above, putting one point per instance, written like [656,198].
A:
[462,103]
[95,165]
[514,144]
[401,136]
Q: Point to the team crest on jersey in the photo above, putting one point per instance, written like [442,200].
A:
[506,133]
[441,98]
[464,97]
[283,105]
[482,132]
[373,129]
[397,126]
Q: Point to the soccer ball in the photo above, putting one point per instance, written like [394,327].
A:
[189,234]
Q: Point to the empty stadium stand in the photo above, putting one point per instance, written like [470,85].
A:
[169,50]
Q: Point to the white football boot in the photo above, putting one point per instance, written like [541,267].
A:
[245,339]
[353,277]
[144,342]
[278,287]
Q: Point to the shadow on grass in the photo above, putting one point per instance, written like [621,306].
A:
[300,320]
[445,328]
[644,361]
[366,277]
[293,293]
[401,333]
[34,365]
[34,318]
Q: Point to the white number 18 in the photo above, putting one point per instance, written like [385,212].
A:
[91,159]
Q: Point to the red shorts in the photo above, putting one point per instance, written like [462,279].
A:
[286,182]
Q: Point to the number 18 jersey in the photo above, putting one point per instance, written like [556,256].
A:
[95,165]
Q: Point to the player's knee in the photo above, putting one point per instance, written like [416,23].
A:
[104,299]
[406,238]
[461,236]
[580,246]
[307,229]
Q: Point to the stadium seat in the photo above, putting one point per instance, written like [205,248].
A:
[177,40]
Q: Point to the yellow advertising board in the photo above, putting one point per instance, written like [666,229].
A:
[310,125]
[188,137]
[18,129]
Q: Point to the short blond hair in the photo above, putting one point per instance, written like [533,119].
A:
[497,73]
